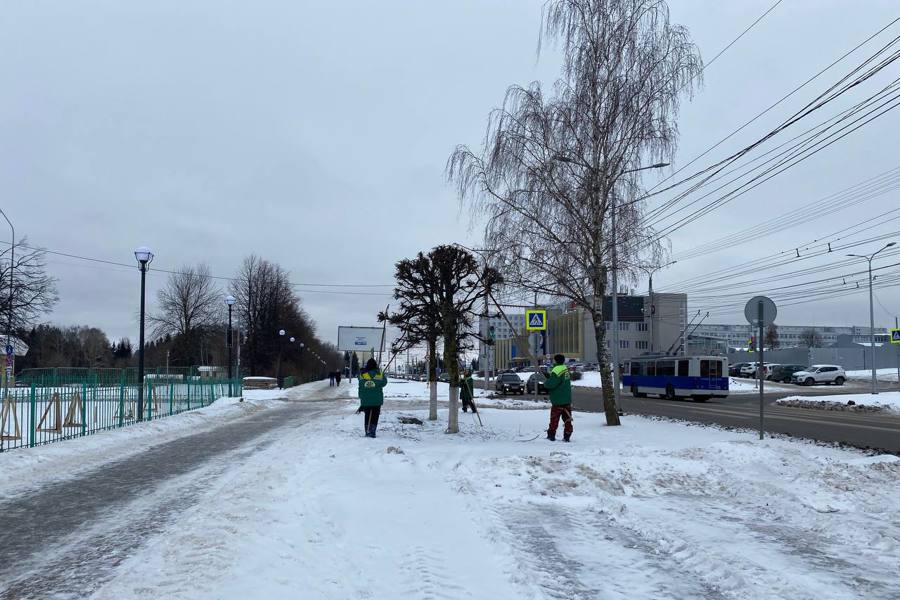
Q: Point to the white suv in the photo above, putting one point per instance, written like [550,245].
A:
[820,374]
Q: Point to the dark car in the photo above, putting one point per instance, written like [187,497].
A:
[509,383]
[783,372]
[735,369]
[541,378]
[444,377]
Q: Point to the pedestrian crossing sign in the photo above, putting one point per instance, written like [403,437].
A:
[895,336]
[536,319]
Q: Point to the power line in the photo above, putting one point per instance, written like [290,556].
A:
[217,277]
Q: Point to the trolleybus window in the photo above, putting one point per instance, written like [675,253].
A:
[665,367]
[710,368]
[635,368]
[651,368]
[683,368]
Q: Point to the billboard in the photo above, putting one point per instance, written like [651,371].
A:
[359,338]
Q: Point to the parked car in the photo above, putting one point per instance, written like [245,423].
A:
[529,385]
[820,374]
[444,377]
[509,383]
[783,373]
[735,369]
[748,369]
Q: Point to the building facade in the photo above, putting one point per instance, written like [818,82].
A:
[738,336]
[643,327]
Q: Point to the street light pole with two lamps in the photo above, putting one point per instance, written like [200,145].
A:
[872,312]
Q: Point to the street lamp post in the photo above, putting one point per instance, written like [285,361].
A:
[230,300]
[144,256]
[650,270]
[615,284]
[872,312]
[281,333]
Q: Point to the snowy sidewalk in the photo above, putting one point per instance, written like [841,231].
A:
[64,532]
[651,509]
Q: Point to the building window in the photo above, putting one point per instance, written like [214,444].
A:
[641,326]
[641,344]
[623,343]
[624,326]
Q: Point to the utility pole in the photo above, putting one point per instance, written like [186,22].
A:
[650,270]
[897,326]
[872,313]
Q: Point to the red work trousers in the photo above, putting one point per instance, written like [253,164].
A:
[565,412]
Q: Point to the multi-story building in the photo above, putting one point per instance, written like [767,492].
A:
[738,336]
[643,327]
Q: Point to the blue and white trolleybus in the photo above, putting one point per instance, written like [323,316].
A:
[696,377]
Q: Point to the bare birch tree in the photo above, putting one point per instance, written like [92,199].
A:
[33,290]
[551,168]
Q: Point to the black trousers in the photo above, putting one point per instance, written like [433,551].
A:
[467,404]
[370,418]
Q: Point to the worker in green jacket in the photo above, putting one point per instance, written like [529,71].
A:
[371,396]
[467,392]
[559,384]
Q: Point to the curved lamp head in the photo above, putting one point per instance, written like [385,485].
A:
[230,300]
[143,255]
[281,332]
[292,341]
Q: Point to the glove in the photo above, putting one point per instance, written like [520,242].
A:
[359,410]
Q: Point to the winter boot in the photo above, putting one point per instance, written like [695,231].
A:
[371,434]
[567,437]
[551,435]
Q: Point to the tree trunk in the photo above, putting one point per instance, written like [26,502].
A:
[451,361]
[432,380]
[609,398]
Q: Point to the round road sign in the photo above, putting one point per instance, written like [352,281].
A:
[769,311]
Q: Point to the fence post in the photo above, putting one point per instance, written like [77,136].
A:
[32,429]
[189,392]
[171,397]
[84,401]
[122,400]
[149,395]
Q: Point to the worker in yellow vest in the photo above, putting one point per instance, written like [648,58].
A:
[559,384]
[371,395]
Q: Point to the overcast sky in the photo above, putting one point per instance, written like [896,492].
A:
[315,134]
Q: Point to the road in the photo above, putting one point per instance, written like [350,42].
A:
[879,431]
[67,538]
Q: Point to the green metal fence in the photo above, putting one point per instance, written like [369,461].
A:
[289,382]
[104,376]
[33,414]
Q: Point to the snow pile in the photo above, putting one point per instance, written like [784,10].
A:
[889,401]
[651,510]
[25,468]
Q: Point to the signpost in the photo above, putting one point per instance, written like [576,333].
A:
[536,320]
[760,311]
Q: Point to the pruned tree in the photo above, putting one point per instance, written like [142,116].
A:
[552,167]
[188,307]
[438,293]
[33,292]
[772,340]
[810,338]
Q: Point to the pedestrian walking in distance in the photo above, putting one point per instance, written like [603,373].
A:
[371,396]
[467,392]
[559,384]
[337,378]
[331,379]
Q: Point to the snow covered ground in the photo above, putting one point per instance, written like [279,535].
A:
[880,374]
[25,468]
[652,509]
[738,385]
[885,400]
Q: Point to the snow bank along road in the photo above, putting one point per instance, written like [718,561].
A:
[880,431]
[67,536]
[292,502]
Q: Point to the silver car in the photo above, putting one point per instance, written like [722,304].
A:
[827,374]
